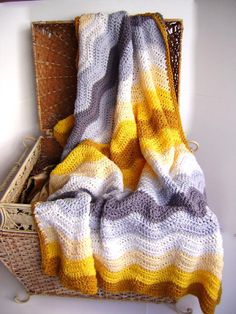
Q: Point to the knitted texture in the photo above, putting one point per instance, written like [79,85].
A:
[127,209]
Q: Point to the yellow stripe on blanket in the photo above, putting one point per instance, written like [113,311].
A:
[171,273]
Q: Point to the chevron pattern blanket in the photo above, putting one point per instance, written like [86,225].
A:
[127,209]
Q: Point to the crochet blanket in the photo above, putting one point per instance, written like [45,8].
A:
[127,209]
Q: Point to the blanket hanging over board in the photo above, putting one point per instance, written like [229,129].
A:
[127,209]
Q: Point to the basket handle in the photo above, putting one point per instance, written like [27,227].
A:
[17,164]
[194,146]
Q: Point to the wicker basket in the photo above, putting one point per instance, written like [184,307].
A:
[55,49]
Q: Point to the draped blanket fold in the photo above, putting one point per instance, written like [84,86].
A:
[127,209]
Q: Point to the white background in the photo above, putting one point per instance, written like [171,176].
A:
[208,110]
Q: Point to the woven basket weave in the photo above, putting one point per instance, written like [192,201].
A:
[55,49]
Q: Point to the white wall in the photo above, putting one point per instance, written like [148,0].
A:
[214,123]
[207,109]
[214,103]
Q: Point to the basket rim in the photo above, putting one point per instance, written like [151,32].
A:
[72,21]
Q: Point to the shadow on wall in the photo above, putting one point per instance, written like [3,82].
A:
[19,113]
[213,125]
